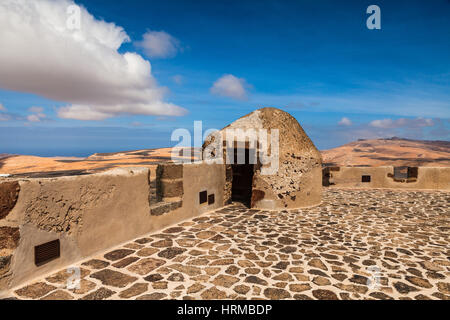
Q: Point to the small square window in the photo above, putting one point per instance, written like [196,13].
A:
[365,179]
[211,198]
[203,197]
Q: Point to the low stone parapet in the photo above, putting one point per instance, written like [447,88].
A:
[49,223]
[436,178]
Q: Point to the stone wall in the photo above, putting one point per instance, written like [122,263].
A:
[436,178]
[91,213]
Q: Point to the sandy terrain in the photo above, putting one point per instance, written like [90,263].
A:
[385,152]
[18,164]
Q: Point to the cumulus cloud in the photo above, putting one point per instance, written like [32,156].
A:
[345,122]
[159,44]
[81,67]
[33,118]
[38,114]
[230,86]
[402,123]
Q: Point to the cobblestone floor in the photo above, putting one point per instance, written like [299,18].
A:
[366,244]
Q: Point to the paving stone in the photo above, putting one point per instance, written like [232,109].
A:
[380,296]
[241,289]
[420,282]
[225,281]
[84,287]
[113,278]
[403,288]
[63,276]
[145,252]
[302,297]
[135,290]
[153,296]
[222,262]
[174,230]
[125,262]
[35,291]
[213,294]
[256,280]
[189,270]
[100,294]
[145,266]
[162,243]
[212,271]
[324,294]
[352,288]
[118,254]
[299,287]
[287,240]
[96,264]
[159,285]
[153,277]
[170,253]
[276,293]
[317,263]
[176,277]
[58,295]
[444,287]
[359,279]
[321,281]
[196,287]
[144,240]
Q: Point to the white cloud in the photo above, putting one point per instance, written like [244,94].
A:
[345,122]
[230,86]
[159,44]
[33,118]
[2,108]
[402,123]
[38,114]
[384,123]
[82,67]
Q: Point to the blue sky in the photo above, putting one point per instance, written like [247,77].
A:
[314,59]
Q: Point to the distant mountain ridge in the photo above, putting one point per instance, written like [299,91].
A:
[391,151]
[377,152]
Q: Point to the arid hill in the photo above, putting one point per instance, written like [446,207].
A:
[33,166]
[393,151]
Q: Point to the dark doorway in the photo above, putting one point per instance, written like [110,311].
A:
[242,179]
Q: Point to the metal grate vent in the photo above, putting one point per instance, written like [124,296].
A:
[365,178]
[211,199]
[46,252]
[203,197]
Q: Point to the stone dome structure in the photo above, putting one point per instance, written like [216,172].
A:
[297,179]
